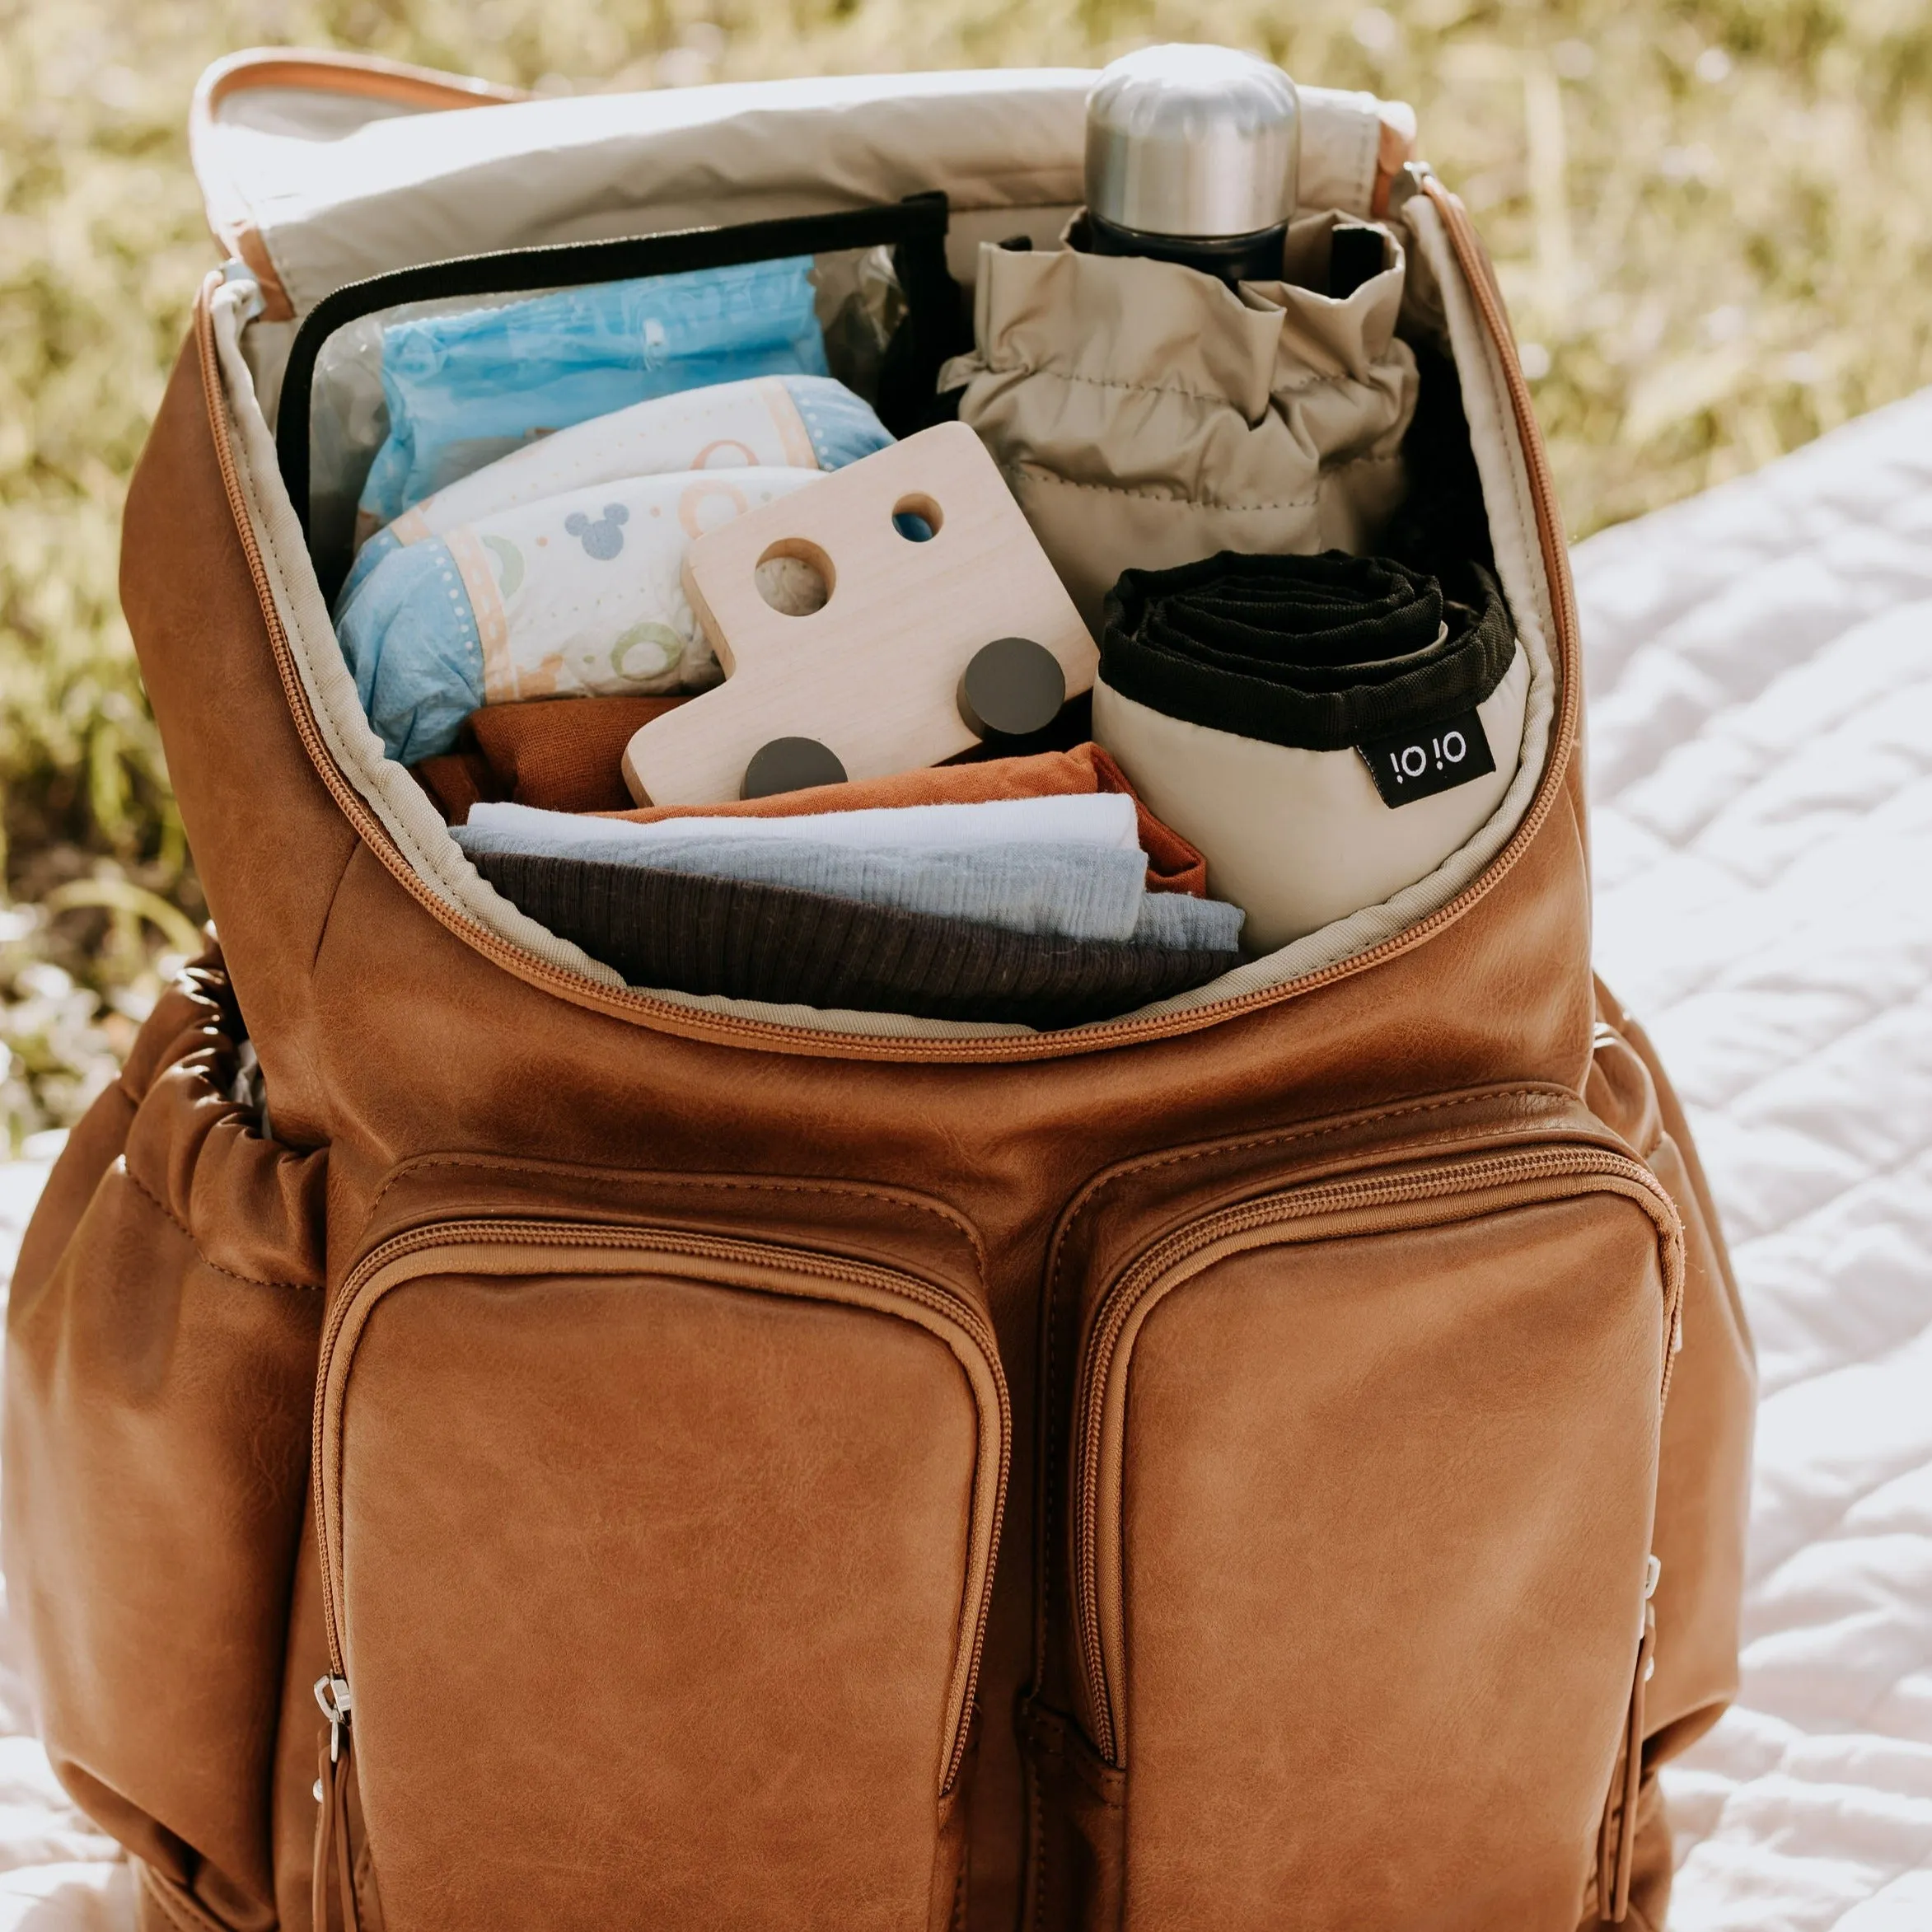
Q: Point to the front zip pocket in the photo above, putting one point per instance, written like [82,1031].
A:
[1357,1493]
[656,1567]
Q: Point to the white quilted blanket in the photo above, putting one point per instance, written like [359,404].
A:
[1761,664]
[1761,732]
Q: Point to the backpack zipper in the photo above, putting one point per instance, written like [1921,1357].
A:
[332,1694]
[1616,1836]
[335,1859]
[1362,1195]
[641,1007]
[916,225]
[332,1691]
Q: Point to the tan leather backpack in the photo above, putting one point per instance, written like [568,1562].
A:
[1277,1459]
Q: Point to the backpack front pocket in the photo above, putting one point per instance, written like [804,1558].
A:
[1359,1478]
[657,1566]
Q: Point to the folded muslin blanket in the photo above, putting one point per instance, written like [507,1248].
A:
[1173,865]
[463,390]
[745,939]
[562,754]
[576,593]
[1326,729]
[769,421]
[1073,891]
[1030,909]
[1103,819]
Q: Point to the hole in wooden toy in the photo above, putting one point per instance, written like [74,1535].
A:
[917,518]
[795,577]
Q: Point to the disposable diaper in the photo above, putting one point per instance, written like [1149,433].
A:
[463,390]
[788,422]
[574,594]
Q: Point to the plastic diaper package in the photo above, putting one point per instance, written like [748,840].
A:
[573,594]
[462,389]
[773,422]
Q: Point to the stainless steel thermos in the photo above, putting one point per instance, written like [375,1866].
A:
[1192,156]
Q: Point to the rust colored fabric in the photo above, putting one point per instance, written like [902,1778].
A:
[1173,865]
[562,754]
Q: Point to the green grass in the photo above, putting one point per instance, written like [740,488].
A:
[1710,216]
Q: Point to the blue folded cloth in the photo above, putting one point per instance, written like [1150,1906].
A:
[1179,920]
[1073,891]
[464,390]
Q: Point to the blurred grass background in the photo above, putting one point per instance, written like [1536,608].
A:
[1710,216]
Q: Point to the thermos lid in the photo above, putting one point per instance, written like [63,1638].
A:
[1187,140]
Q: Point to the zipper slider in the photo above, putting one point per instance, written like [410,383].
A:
[332,1694]
[236,271]
[335,1866]
[1404,187]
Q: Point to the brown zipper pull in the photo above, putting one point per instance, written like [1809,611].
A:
[1616,1840]
[333,1858]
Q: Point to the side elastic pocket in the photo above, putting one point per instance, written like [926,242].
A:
[1704,1476]
[1144,414]
[160,1379]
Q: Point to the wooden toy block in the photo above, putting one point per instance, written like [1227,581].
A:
[874,675]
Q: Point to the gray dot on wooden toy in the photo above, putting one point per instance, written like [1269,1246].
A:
[792,764]
[1012,688]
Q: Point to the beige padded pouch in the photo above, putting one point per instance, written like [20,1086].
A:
[1147,415]
[1299,838]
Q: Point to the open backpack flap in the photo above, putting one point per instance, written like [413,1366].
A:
[1050,1432]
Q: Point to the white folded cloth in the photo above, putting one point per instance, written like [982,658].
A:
[1069,891]
[1106,819]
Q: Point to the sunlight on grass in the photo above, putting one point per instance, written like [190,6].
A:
[1707,216]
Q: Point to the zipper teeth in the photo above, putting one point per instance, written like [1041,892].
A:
[797,1260]
[1474,260]
[631,1004]
[1488,1171]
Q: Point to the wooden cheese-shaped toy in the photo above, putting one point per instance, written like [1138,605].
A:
[874,675]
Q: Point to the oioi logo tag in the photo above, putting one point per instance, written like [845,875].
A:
[1419,764]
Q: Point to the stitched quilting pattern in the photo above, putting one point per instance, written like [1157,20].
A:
[1762,758]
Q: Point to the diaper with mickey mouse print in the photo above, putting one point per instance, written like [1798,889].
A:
[573,595]
[556,570]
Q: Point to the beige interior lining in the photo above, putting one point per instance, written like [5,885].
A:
[335,203]
[421,834]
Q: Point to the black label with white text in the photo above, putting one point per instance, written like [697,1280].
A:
[1419,764]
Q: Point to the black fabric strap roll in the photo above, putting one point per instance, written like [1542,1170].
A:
[748,940]
[1323,652]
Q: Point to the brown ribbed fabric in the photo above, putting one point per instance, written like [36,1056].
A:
[565,755]
[454,781]
[562,754]
[751,941]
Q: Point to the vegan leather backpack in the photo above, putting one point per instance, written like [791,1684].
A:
[1276,1459]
